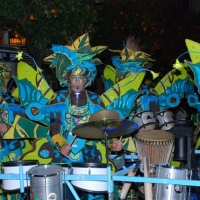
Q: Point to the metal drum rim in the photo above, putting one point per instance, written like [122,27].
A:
[31,172]
[19,163]
[90,164]
[170,167]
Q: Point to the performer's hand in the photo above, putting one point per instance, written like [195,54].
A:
[65,149]
[117,145]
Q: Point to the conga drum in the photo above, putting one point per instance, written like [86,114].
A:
[156,145]
[145,120]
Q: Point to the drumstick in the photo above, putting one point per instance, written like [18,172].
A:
[70,144]
[127,185]
[147,186]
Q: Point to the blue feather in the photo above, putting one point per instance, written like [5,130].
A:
[59,108]
[16,108]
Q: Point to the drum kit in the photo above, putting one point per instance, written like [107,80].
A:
[46,180]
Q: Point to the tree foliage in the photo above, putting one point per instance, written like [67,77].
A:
[109,22]
[44,22]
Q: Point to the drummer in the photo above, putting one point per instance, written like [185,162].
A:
[76,73]
[80,104]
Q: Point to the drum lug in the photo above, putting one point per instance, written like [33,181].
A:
[89,170]
[178,188]
[70,170]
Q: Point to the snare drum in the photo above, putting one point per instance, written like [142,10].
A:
[156,145]
[13,167]
[170,192]
[165,120]
[90,169]
[46,182]
[145,120]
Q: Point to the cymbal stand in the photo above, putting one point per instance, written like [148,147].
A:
[105,135]
[109,180]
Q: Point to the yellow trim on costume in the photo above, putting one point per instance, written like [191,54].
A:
[58,140]
[10,133]
[22,133]
[35,130]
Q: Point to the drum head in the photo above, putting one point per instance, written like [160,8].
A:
[154,135]
[45,170]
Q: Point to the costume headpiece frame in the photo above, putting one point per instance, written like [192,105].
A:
[76,59]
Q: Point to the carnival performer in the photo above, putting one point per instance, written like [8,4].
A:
[10,150]
[76,70]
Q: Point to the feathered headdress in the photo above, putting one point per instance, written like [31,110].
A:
[76,59]
[131,59]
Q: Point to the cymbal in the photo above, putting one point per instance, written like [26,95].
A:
[105,128]
[104,114]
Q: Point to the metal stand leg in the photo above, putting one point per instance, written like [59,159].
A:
[72,190]
[110,183]
[109,180]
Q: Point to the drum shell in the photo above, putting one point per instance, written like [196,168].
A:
[165,120]
[166,191]
[182,129]
[13,167]
[180,150]
[46,182]
[90,169]
[145,120]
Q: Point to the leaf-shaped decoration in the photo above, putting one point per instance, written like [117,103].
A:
[170,78]
[81,48]
[49,58]
[25,71]
[109,77]
[196,71]
[29,94]
[194,50]
[61,64]
[124,104]
[30,98]
[81,41]
[127,54]
[132,82]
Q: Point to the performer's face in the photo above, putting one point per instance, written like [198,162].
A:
[77,83]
